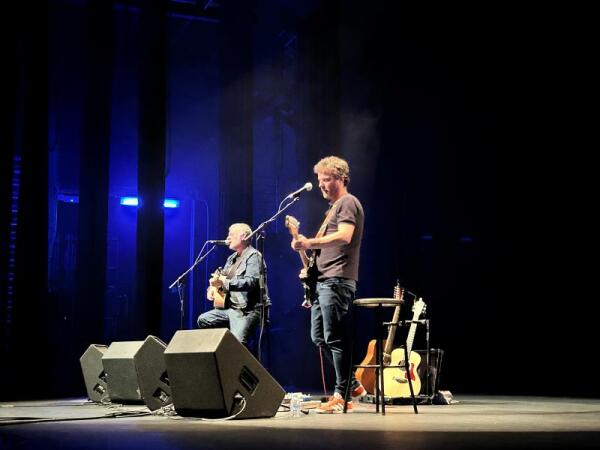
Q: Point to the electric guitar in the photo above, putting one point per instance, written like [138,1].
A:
[395,379]
[215,293]
[309,282]
[366,375]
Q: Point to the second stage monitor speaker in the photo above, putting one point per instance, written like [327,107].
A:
[152,374]
[121,376]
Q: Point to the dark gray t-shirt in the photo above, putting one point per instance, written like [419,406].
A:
[342,261]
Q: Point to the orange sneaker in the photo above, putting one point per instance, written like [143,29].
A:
[335,405]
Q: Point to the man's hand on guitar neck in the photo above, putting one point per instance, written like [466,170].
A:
[300,243]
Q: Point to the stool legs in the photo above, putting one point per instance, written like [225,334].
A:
[379,366]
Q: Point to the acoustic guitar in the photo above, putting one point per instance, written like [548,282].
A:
[309,283]
[366,375]
[215,293]
[395,378]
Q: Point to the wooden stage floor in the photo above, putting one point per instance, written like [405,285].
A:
[476,421]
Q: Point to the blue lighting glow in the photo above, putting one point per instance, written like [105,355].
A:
[133,201]
[125,201]
[171,203]
[129,201]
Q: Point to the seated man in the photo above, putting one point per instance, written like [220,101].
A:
[235,290]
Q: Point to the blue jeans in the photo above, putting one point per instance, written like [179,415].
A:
[240,323]
[330,323]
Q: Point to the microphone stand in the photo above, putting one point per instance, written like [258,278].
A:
[180,281]
[260,246]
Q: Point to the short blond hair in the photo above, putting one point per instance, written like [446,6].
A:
[242,228]
[338,167]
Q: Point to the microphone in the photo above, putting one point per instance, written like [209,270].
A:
[219,242]
[306,187]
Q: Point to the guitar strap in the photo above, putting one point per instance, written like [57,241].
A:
[328,217]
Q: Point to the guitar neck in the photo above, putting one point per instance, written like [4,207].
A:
[411,336]
[304,258]
[301,253]
[392,332]
[418,308]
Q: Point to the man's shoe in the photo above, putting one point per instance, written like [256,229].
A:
[359,391]
[335,405]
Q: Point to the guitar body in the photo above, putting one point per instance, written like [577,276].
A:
[309,264]
[215,293]
[310,282]
[395,382]
[366,375]
[218,297]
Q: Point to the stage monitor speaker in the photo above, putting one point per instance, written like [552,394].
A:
[152,375]
[93,372]
[210,371]
[121,377]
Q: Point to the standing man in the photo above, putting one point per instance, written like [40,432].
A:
[338,247]
[235,290]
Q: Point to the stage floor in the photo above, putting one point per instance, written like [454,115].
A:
[473,422]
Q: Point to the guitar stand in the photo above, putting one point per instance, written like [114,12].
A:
[428,396]
[406,365]
[379,304]
[425,322]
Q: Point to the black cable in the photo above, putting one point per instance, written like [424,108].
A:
[238,398]
[25,419]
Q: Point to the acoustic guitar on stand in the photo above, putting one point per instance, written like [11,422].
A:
[215,292]
[395,378]
[309,266]
[366,375]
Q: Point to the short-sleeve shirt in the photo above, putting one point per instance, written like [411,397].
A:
[342,261]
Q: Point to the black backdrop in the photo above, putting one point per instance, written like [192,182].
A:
[465,130]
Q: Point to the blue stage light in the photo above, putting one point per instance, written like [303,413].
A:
[133,201]
[171,203]
[129,201]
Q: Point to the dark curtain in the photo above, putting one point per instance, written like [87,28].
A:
[8,91]
[93,178]
[151,169]
[31,358]
[319,74]
[236,114]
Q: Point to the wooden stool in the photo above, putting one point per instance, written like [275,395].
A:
[379,304]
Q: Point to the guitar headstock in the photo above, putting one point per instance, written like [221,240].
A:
[398,292]
[418,308]
[292,224]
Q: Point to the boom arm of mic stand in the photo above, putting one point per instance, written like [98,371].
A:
[268,221]
[199,259]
